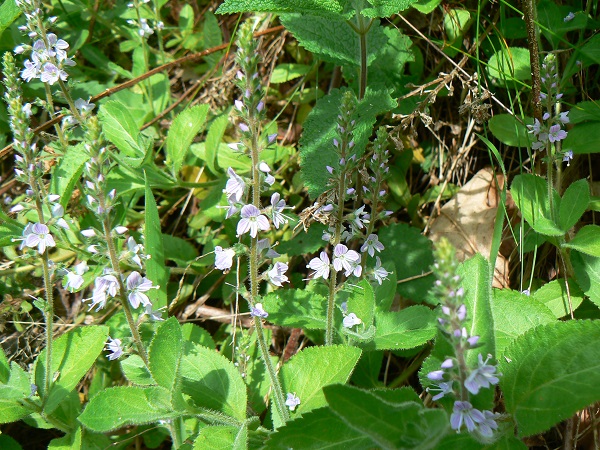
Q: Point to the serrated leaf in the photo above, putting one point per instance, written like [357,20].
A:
[116,407]
[386,8]
[587,240]
[316,430]
[583,138]
[9,12]
[390,426]
[388,67]
[156,270]
[212,381]
[587,270]
[510,131]
[165,351]
[510,64]
[234,438]
[4,367]
[71,441]
[304,242]
[67,173]
[307,372]
[554,372]
[573,204]
[412,256]
[554,296]
[515,313]
[73,354]
[282,73]
[362,303]
[530,194]
[11,408]
[193,334]
[136,371]
[214,136]
[120,128]
[408,328]
[296,308]
[317,7]
[182,132]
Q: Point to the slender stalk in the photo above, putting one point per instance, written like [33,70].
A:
[530,16]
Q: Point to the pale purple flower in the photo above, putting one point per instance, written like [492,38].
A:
[154,314]
[371,244]
[106,285]
[563,117]
[464,413]
[355,269]
[88,233]
[443,388]
[121,230]
[238,105]
[74,281]
[360,217]
[436,375]
[379,272]
[277,274]
[264,244]
[84,106]
[567,157]
[252,220]
[258,311]
[569,17]
[481,377]
[223,258]
[535,128]
[244,127]
[135,251]
[51,74]
[555,133]
[30,71]
[38,236]
[320,266]
[343,258]
[292,401]
[235,186]
[487,427]
[114,346]
[137,285]
[277,207]
[351,320]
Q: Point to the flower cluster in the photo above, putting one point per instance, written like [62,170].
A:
[455,377]
[143,25]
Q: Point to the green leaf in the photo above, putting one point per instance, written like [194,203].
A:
[183,130]
[530,194]
[120,128]
[554,371]
[296,308]
[554,296]
[388,67]
[136,371]
[71,441]
[362,303]
[587,270]
[408,328]
[334,40]
[9,12]
[73,354]
[591,50]
[510,64]
[165,353]
[234,438]
[455,23]
[4,367]
[584,111]
[316,430]
[214,136]
[583,138]
[193,334]
[510,131]
[412,256]
[212,381]
[587,240]
[426,6]
[389,425]
[386,8]
[304,242]
[156,270]
[283,73]
[307,372]
[11,407]
[515,313]
[67,173]
[317,7]
[116,407]
[573,204]
[386,291]
[180,250]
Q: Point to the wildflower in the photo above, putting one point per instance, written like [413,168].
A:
[235,185]
[482,377]
[264,244]
[154,314]
[436,375]
[567,157]
[75,278]
[535,128]
[359,218]
[38,236]
[292,401]
[135,251]
[350,320]
[277,208]
[51,74]
[320,265]
[355,269]
[84,106]
[276,274]
[252,220]
[379,273]
[106,285]
[88,233]
[555,134]
[371,244]
[114,346]
[145,29]
[489,424]
[223,258]
[442,389]
[138,285]
[569,17]
[344,257]
[269,179]
[463,412]
[258,311]
[563,117]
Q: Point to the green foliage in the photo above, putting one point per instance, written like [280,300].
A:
[573,204]
[317,7]
[409,328]
[183,130]
[551,372]
[587,270]
[587,240]
[297,308]
[386,8]
[155,266]
[510,131]
[530,194]
[510,64]
[165,353]
[554,295]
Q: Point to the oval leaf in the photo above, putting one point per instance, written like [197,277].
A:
[183,130]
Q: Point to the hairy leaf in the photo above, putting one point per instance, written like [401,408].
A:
[530,194]
[554,296]
[296,308]
[317,7]
[587,269]
[165,353]
[573,204]
[408,328]
[156,270]
[183,130]
[386,8]
[587,240]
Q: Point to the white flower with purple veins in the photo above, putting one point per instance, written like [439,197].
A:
[114,346]
[154,314]
[379,272]
[38,235]
[84,106]
[51,74]
[252,221]
[30,71]
[464,413]
[360,218]
[442,389]
[535,128]
[264,167]
[371,244]
[106,285]
[75,278]
[137,285]
[223,258]
[292,401]
[135,250]
[351,320]
[482,377]
[567,157]
[344,258]
[58,46]
[277,208]
[277,274]
[258,311]
[235,186]
[555,134]
[569,17]
[355,269]
[320,266]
